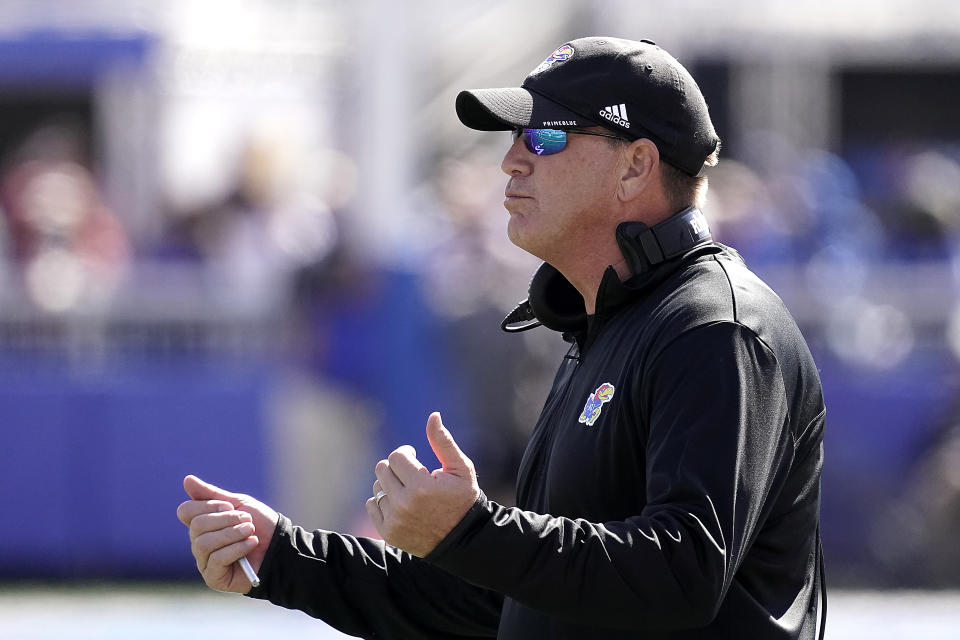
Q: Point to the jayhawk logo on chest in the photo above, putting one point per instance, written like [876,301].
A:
[595,402]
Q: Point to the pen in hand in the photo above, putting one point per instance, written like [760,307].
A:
[249,572]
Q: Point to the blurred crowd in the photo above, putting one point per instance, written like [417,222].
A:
[863,243]
[61,240]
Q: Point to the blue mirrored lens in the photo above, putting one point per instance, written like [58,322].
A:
[544,142]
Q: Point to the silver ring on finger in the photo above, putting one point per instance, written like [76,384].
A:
[380,496]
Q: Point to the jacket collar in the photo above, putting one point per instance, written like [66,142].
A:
[652,255]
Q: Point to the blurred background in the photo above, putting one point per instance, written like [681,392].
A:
[250,240]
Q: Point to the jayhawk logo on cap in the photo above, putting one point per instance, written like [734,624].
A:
[595,402]
[561,54]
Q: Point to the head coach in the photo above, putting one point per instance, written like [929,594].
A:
[671,486]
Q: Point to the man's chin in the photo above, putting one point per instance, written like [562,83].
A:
[520,236]
[515,230]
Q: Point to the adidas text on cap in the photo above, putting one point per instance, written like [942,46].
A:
[634,88]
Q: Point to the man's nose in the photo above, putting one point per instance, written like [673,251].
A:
[517,160]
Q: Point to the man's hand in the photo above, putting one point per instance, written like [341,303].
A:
[225,527]
[420,508]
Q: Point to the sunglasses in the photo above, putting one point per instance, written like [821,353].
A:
[546,142]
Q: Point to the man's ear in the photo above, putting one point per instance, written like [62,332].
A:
[641,165]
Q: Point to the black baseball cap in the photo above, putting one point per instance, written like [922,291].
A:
[634,88]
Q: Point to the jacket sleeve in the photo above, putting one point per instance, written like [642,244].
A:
[718,444]
[368,589]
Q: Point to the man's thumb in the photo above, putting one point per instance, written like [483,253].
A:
[444,446]
[197,489]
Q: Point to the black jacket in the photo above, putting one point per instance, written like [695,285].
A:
[669,490]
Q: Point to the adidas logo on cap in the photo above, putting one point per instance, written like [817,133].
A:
[616,114]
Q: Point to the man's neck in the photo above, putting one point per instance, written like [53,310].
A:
[586,271]
[587,279]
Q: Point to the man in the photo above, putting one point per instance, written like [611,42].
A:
[671,486]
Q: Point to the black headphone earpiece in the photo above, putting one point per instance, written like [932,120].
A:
[551,301]
[644,247]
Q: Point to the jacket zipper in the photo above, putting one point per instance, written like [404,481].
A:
[536,466]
